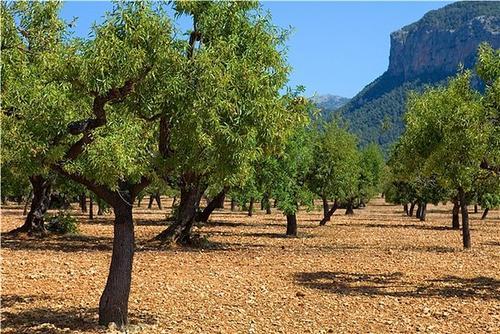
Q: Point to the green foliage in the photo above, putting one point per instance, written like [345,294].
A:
[371,168]
[62,223]
[335,173]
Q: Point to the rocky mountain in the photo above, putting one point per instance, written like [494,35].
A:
[329,101]
[426,52]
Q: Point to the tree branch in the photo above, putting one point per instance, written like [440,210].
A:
[102,191]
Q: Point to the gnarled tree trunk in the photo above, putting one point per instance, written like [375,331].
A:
[326,207]
[419,210]
[180,230]
[423,212]
[34,223]
[83,202]
[91,208]
[212,205]
[113,305]
[329,214]
[350,207]
[412,207]
[291,225]
[233,204]
[250,207]
[405,209]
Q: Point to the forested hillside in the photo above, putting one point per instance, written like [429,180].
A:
[426,52]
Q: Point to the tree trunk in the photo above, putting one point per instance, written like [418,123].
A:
[173,201]
[151,199]
[158,200]
[455,223]
[180,230]
[465,219]
[291,225]
[91,208]
[28,201]
[275,204]
[423,212]
[139,199]
[250,207]
[113,305]
[325,206]
[485,213]
[412,207]
[475,208]
[405,209]
[268,206]
[419,210]
[212,205]
[83,202]
[221,200]
[233,204]
[34,223]
[100,210]
[262,204]
[329,214]
[350,209]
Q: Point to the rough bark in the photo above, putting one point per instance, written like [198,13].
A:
[475,208]
[113,305]
[212,205]
[455,223]
[34,223]
[91,208]
[412,207]
[325,206]
[83,202]
[158,200]
[151,199]
[485,214]
[180,230]
[291,225]
[250,207]
[27,203]
[419,210]
[423,212]
[465,219]
[329,214]
[405,209]
[350,208]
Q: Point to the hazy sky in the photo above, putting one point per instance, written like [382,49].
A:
[336,47]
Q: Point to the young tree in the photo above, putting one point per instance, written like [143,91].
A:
[290,179]
[448,129]
[335,171]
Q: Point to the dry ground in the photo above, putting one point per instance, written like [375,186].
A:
[376,271]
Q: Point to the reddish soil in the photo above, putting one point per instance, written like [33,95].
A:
[377,271]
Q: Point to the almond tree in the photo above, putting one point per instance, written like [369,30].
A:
[454,131]
[229,111]
[72,106]
[336,169]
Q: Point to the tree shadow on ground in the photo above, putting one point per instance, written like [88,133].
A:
[47,320]
[394,285]
[59,243]
[43,320]
[409,226]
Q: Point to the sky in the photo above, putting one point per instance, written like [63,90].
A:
[335,48]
